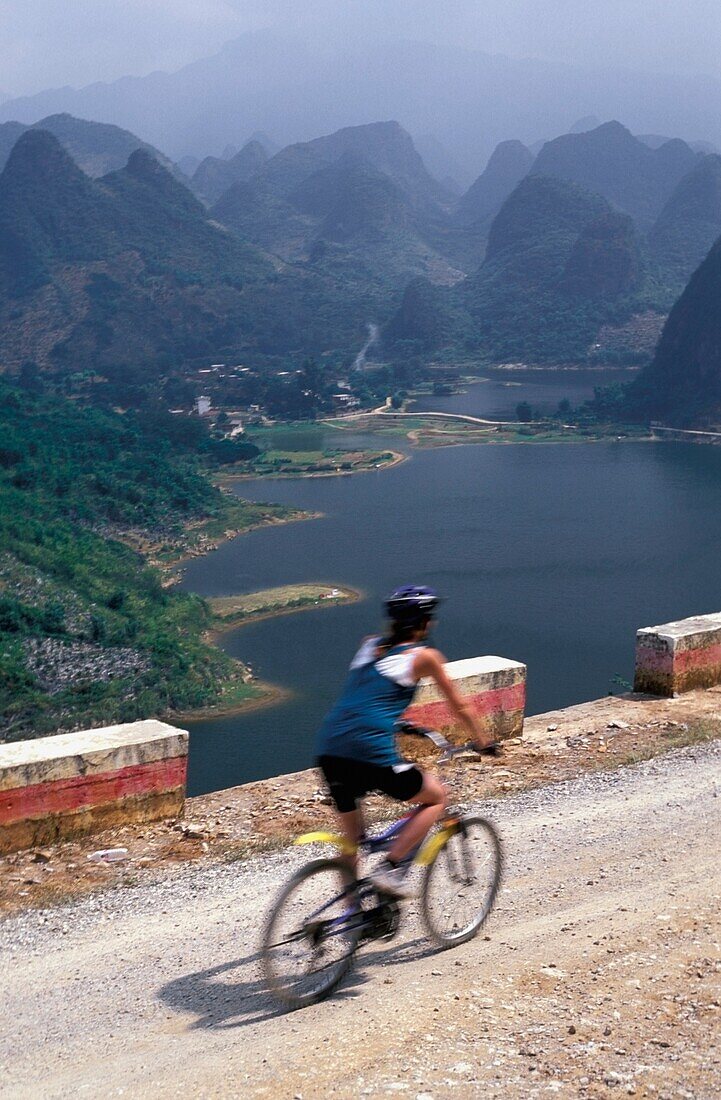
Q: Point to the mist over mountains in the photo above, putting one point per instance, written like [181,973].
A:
[111,259]
[95,147]
[295,89]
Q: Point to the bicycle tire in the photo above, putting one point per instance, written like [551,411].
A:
[488,878]
[307,933]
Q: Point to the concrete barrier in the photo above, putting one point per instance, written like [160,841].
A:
[495,687]
[680,656]
[77,783]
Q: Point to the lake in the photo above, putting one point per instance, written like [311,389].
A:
[501,390]
[549,554]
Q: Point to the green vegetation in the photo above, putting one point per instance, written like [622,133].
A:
[88,633]
[303,448]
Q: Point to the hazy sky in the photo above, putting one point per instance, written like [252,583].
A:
[45,43]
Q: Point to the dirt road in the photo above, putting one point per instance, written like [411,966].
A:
[601,976]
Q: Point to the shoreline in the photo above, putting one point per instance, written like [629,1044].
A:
[349,596]
[568,441]
[478,431]
[176,566]
[397,458]
[270,695]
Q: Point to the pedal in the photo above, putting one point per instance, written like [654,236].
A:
[382,922]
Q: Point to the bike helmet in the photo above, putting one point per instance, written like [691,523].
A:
[412,603]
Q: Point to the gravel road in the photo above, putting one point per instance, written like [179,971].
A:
[600,974]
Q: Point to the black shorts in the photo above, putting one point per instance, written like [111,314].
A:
[349,780]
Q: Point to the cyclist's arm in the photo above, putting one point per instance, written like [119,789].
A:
[429,662]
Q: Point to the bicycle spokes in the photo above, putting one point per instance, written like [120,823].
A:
[312,933]
[461,883]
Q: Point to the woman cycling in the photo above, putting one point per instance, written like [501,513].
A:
[357,750]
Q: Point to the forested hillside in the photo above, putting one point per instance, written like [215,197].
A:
[560,263]
[128,272]
[129,278]
[682,385]
[358,207]
[88,634]
[583,259]
[689,223]
[610,161]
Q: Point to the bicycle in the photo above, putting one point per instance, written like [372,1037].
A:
[324,913]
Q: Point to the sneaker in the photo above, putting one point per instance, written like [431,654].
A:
[393,880]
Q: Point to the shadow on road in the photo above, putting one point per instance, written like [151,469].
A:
[224,996]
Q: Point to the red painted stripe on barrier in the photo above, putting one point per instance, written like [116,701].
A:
[497,701]
[665,661]
[82,791]
[697,658]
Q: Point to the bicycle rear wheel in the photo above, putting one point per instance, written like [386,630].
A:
[312,933]
[460,886]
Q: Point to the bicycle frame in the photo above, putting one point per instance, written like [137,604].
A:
[423,855]
[355,915]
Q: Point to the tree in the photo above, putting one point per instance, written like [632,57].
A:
[29,377]
[313,376]
[524,412]
[179,393]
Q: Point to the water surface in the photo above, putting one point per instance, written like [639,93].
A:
[500,391]
[550,554]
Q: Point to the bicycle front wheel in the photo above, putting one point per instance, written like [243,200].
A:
[312,933]
[461,883]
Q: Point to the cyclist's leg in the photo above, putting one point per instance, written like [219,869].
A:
[431,801]
[351,825]
[345,789]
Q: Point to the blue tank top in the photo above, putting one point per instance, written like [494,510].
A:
[361,725]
